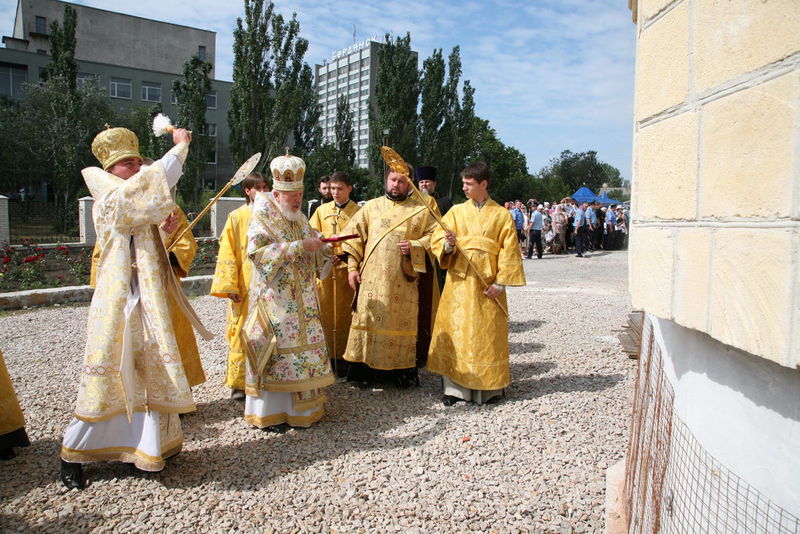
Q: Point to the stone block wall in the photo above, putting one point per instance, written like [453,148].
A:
[220,211]
[715,241]
[5,229]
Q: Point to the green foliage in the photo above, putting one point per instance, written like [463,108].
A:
[510,178]
[271,85]
[396,98]
[62,49]
[345,153]
[308,133]
[190,92]
[139,120]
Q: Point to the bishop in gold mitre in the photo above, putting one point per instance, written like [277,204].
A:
[335,293]
[133,384]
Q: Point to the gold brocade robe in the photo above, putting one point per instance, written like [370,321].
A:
[335,304]
[232,275]
[126,213]
[11,418]
[384,328]
[283,283]
[470,333]
[184,253]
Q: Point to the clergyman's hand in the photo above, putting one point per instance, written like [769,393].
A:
[312,244]
[353,278]
[405,247]
[170,224]
[235,297]
[492,292]
[181,135]
[450,237]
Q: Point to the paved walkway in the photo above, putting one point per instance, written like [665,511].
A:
[381,460]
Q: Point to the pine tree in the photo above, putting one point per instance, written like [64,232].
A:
[191,91]
[345,153]
[62,49]
[396,100]
[269,97]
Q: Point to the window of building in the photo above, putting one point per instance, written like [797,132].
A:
[211,100]
[41,51]
[210,129]
[173,99]
[212,157]
[11,79]
[365,62]
[323,77]
[40,25]
[119,88]
[84,78]
[201,52]
[151,92]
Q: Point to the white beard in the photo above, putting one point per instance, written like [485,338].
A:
[289,214]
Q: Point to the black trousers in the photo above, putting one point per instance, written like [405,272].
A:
[535,239]
[580,240]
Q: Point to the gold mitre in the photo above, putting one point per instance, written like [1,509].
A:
[112,145]
[287,172]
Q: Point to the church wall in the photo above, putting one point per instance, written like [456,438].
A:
[715,242]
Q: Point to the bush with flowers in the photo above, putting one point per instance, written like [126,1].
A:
[30,266]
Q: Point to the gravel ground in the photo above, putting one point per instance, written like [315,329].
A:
[380,460]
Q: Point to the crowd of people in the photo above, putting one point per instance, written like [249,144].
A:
[568,225]
[369,294]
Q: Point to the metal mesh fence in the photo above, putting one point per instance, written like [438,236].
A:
[672,483]
[36,221]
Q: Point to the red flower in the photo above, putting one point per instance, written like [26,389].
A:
[6,260]
[58,278]
[30,259]
[38,249]
[62,247]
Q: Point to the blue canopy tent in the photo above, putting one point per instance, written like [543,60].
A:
[605,201]
[584,194]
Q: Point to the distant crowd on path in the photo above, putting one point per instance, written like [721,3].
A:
[568,225]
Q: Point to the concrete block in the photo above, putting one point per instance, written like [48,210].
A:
[220,211]
[5,229]
[666,172]
[751,299]
[651,270]
[733,38]
[662,63]
[86,221]
[690,302]
[616,510]
[749,152]
[651,8]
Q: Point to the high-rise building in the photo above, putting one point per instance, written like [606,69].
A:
[352,72]
[133,58]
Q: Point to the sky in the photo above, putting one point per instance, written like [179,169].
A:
[549,75]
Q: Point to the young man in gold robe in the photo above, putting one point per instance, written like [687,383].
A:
[389,267]
[12,422]
[232,278]
[180,259]
[133,385]
[287,366]
[335,293]
[470,334]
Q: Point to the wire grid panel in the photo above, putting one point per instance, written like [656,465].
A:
[672,483]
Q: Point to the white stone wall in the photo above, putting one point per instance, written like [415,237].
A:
[86,221]
[715,242]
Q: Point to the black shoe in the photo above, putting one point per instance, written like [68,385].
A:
[7,454]
[237,395]
[277,429]
[72,475]
[578,255]
[449,400]
[528,258]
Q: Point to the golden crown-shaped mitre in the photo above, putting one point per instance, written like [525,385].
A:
[113,145]
[287,172]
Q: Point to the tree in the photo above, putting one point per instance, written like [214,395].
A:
[190,92]
[62,49]
[140,121]
[580,169]
[271,84]
[433,110]
[345,153]
[307,132]
[510,178]
[396,100]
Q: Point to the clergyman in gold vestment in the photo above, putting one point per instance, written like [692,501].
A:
[12,423]
[232,278]
[335,302]
[180,257]
[470,335]
[133,384]
[387,265]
